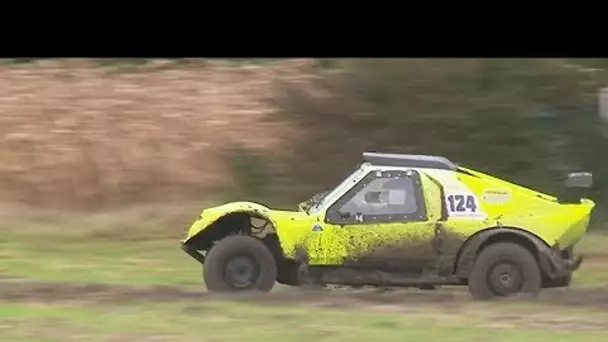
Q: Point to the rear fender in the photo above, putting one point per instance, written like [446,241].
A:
[548,257]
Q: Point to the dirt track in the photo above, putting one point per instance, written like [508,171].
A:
[22,290]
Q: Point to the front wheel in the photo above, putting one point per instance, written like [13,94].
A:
[504,270]
[239,263]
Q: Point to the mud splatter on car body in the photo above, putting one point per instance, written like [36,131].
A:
[408,216]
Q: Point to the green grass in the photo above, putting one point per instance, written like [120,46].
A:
[594,270]
[145,262]
[232,321]
[134,246]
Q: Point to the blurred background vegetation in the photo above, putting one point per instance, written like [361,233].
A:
[104,164]
[87,134]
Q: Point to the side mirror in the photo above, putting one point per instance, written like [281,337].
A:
[579,180]
[344,214]
[575,187]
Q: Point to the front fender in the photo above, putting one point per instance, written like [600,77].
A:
[210,215]
[207,228]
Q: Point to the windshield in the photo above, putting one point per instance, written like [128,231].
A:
[318,200]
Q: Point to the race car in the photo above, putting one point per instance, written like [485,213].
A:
[400,220]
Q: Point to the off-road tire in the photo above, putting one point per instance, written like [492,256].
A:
[495,254]
[239,245]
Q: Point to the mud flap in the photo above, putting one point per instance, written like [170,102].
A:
[554,265]
[193,252]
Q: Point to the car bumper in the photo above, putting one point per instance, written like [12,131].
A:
[192,252]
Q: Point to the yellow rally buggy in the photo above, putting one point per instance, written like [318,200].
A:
[400,220]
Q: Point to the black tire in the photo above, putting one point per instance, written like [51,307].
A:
[504,270]
[221,264]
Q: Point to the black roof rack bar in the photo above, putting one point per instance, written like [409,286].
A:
[408,160]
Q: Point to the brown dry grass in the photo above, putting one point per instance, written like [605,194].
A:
[79,135]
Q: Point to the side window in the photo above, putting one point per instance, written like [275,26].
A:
[383,196]
[389,196]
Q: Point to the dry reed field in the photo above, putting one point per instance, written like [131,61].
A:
[78,133]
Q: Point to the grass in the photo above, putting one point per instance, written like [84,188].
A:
[141,246]
[230,321]
[130,247]
[594,270]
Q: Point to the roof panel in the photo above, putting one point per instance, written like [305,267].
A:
[408,160]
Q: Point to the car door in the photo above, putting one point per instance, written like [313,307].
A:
[385,222]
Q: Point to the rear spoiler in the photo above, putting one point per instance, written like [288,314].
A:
[576,187]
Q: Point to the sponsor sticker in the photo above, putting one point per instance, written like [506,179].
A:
[496,196]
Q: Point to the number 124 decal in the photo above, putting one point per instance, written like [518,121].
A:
[462,203]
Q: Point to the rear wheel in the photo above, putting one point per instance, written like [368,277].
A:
[239,263]
[504,270]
